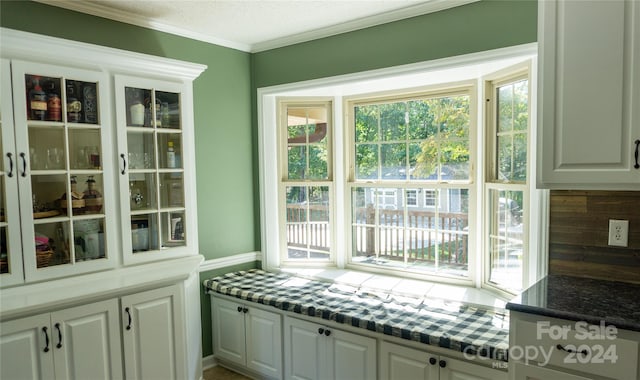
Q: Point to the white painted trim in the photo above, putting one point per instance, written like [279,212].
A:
[36,47]
[224,262]
[100,10]
[209,362]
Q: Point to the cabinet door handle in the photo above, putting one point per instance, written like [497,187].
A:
[239,309]
[124,164]
[46,339]
[245,310]
[442,363]
[637,165]
[432,361]
[10,155]
[24,164]
[327,332]
[59,345]
[126,309]
[320,331]
[583,352]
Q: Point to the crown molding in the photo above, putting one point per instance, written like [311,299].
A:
[36,47]
[361,23]
[365,22]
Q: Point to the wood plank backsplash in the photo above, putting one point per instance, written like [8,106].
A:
[578,234]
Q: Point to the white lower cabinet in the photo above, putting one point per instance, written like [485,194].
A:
[404,363]
[315,351]
[522,371]
[153,334]
[77,343]
[247,336]
[87,341]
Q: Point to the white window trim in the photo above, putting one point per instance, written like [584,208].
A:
[267,148]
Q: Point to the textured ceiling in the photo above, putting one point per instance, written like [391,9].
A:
[254,25]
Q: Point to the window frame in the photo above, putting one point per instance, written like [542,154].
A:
[388,79]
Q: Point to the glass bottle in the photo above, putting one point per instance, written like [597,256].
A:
[171,155]
[74,106]
[77,203]
[37,101]
[92,197]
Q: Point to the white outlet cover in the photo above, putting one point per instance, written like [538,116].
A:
[619,233]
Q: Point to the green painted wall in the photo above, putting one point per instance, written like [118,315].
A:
[470,28]
[222,111]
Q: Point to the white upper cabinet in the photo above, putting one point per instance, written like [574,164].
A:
[155,145]
[97,159]
[589,94]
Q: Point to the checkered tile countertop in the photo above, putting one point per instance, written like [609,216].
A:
[451,325]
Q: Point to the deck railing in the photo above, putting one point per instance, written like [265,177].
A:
[421,231]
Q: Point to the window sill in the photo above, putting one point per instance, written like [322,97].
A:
[406,287]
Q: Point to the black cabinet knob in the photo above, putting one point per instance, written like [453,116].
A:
[327,332]
[245,310]
[432,361]
[320,330]
[239,309]
[442,363]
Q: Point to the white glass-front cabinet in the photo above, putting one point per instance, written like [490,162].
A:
[58,161]
[155,168]
[10,242]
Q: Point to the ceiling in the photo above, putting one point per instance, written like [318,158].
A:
[256,25]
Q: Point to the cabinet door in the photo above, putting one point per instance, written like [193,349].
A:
[589,93]
[305,350]
[228,331]
[63,132]
[264,342]
[403,363]
[86,341]
[10,242]
[460,370]
[521,371]
[26,350]
[351,356]
[155,147]
[153,334]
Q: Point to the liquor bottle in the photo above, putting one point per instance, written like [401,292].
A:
[77,203]
[37,101]
[74,105]
[90,103]
[171,156]
[54,107]
[92,197]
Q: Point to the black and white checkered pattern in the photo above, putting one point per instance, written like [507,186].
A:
[452,325]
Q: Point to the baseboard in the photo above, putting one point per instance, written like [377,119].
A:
[208,362]
[223,262]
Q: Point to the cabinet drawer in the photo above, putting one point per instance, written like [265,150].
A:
[577,346]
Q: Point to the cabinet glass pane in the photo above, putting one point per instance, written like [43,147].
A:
[88,239]
[170,150]
[52,244]
[168,107]
[4,259]
[84,147]
[43,98]
[173,229]
[142,191]
[141,150]
[47,192]
[138,103]
[144,232]
[82,102]
[171,190]
[47,148]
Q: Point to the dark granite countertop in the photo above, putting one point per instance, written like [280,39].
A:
[582,299]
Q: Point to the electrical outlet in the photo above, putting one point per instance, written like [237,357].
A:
[618,232]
